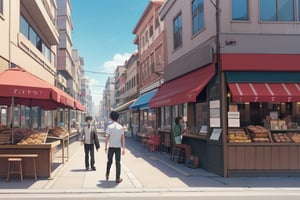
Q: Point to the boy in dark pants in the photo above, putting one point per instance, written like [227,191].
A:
[89,138]
[116,139]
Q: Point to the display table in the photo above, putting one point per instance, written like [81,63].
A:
[44,158]
[64,142]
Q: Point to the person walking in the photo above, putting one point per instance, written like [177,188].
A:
[90,139]
[116,140]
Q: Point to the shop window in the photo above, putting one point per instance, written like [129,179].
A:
[177,31]
[198,15]
[278,10]
[240,10]
[3,116]
[201,114]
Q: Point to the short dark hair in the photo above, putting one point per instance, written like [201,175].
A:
[177,119]
[88,118]
[114,115]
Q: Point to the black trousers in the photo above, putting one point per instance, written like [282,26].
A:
[89,149]
[110,154]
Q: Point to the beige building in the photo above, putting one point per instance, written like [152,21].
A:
[233,57]
[29,36]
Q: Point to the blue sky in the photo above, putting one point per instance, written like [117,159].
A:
[103,35]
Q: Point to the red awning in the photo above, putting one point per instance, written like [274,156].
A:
[79,106]
[265,92]
[28,89]
[183,89]
[16,82]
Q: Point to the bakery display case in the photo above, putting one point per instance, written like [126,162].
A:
[28,141]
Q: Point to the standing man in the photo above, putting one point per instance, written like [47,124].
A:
[89,138]
[116,139]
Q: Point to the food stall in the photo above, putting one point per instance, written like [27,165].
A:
[16,139]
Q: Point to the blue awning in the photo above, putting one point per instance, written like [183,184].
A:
[143,101]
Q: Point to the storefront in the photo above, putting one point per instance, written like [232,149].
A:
[125,118]
[186,96]
[145,117]
[30,109]
[244,119]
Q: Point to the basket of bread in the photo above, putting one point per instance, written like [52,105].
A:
[58,132]
[259,133]
[281,138]
[295,137]
[238,135]
[35,138]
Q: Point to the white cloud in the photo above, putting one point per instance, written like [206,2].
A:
[118,59]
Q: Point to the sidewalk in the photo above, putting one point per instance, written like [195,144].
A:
[142,171]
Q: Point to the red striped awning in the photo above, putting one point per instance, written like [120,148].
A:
[265,92]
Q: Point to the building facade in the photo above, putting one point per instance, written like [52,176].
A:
[232,60]
[150,38]
[29,37]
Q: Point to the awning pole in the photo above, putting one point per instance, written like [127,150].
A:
[11,119]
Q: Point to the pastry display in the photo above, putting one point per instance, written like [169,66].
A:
[295,137]
[58,132]
[238,135]
[34,138]
[20,133]
[281,137]
[259,133]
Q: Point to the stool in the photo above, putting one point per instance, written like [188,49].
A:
[178,155]
[14,171]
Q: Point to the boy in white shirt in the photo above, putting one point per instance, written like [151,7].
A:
[116,140]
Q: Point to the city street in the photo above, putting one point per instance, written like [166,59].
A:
[146,174]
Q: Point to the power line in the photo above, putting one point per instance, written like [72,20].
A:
[109,73]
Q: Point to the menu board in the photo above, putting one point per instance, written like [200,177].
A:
[216,133]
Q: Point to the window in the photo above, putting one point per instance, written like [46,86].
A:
[177,27]
[1,7]
[278,10]
[298,10]
[151,31]
[27,30]
[198,15]
[24,26]
[239,9]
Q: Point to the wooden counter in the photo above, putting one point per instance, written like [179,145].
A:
[44,160]
[199,147]
[263,158]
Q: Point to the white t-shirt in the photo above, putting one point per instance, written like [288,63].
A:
[115,132]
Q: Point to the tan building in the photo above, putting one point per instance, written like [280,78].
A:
[65,61]
[232,64]
[150,38]
[29,36]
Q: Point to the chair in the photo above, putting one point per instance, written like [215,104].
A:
[11,167]
[153,142]
[180,152]
[177,153]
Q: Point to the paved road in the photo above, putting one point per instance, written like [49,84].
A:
[162,196]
